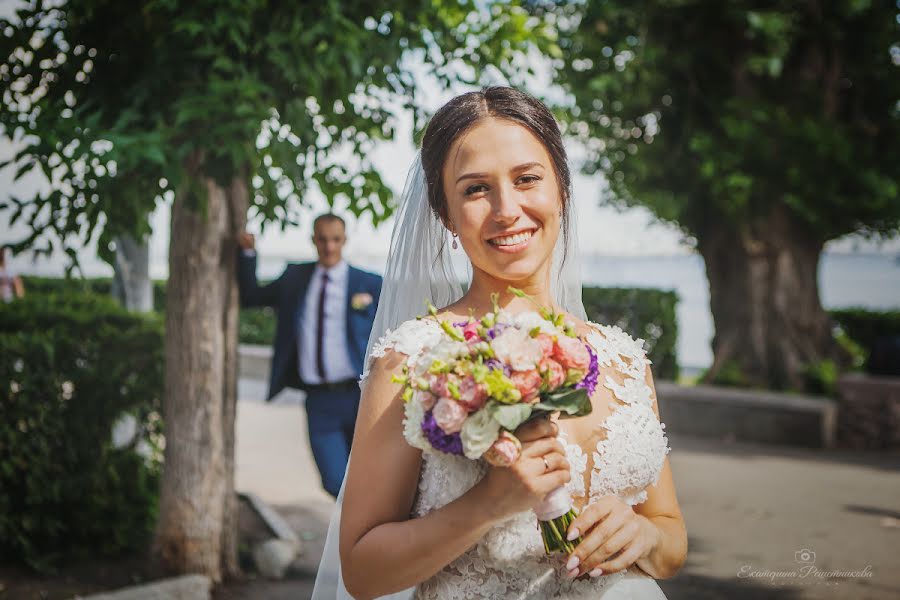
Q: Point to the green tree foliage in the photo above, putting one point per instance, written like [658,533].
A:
[108,100]
[710,113]
[762,130]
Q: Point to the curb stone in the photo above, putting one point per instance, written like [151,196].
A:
[186,587]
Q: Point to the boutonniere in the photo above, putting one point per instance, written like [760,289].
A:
[361,300]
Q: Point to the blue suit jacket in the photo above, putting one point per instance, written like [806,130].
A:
[287,295]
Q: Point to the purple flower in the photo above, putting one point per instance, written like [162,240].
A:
[461,323]
[590,379]
[493,363]
[451,444]
[496,329]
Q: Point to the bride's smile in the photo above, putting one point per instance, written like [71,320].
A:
[512,242]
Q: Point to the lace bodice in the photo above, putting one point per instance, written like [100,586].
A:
[629,448]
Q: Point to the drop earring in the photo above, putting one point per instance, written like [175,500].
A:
[455,245]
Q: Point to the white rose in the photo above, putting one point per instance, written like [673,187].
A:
[516,348]
[421,364]
[412,426]
[446,350]
[479,433]
[530,319]
[451,350]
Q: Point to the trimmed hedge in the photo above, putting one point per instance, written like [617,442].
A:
[72,366]
[96,285]
[256,326]
[642,313]
[864,326]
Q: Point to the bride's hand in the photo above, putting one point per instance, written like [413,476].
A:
[541,468]
[608,526]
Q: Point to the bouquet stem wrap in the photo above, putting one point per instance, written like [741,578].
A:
[555,514]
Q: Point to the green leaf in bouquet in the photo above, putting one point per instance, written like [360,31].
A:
[510,416]
[438,366]
[479,371]
[495,303]
[573,402]
[452,331]
[501,388]
[573,376]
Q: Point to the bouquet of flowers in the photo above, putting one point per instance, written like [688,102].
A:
[468,392]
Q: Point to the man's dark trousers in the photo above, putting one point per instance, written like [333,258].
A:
[332,417]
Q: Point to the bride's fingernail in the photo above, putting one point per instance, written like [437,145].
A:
[573,563]
[596,573]
[573,533]
[573,572]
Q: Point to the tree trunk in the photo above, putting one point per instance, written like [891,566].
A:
[197,525]
[238,199]
[131,283]
[764,297]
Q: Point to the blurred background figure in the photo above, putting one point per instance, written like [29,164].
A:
[11,285]
[325,312]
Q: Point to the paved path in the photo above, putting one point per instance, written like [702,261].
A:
[749,509]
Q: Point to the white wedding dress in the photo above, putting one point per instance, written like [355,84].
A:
[509,561]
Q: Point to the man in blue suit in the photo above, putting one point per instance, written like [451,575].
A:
[325,314]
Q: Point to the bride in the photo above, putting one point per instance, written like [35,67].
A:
[492,173]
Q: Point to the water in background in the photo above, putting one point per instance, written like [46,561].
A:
[866,280]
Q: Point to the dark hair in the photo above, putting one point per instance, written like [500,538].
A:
[328,217]
[465,111]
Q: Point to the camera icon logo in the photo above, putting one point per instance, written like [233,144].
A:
[805,556]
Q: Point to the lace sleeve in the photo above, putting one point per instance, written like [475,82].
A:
[409,338]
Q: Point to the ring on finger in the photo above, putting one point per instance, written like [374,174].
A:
[546,464]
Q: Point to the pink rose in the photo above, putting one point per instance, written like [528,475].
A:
[546,343]
[426,399]
[556,370]
[505,451]
[517,349]
[528,383]
[472,395]
[449,415]
[470,331]
[572,353]
[439,384]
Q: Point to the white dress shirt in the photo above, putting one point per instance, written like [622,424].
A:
[335,353]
